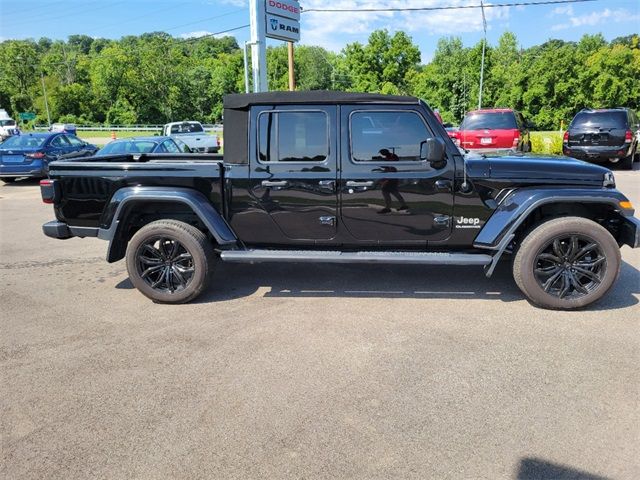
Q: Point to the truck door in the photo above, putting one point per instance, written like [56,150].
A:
[293,170]
[389,195]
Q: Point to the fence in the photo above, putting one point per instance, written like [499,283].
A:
[130,128]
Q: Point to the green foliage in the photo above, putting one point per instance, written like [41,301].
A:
[546,142]
[155,78]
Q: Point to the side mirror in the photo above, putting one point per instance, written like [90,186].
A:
[432,150]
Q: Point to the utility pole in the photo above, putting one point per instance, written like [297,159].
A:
[484,43]
[292,77]
[46,103]
[258,45]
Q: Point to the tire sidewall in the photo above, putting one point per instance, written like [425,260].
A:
[200,276]
[545,233]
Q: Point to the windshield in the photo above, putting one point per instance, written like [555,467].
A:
[127,146]
[489,121]
[23,141]
[187,128]
[600,120]
[7,123]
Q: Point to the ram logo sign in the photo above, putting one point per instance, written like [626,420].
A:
[282,28]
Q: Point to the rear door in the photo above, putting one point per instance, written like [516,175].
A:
[293,170]
[388,194]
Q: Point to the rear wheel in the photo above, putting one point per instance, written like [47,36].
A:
[626,163]
[170,261]
[566,263]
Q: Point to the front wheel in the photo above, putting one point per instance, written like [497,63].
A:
[566,263]
[170,261]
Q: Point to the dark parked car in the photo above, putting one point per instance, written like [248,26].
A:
[608,135]
[28,155]
[139,145]
[493,129]
[339,177]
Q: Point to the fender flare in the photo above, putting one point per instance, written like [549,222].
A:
[126,197]
[500,229]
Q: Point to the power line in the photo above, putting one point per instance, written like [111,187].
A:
[448,7]
[195,39]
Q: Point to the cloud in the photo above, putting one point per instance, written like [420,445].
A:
[334,30]
[196,34]
[594,18]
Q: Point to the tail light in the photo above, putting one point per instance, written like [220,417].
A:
[516,138]
[35,155]
[628,136]
[50,191]
[565,138]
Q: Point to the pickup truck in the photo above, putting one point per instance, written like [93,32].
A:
[193,135]
[345,178]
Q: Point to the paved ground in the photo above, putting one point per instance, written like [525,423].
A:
[306,371]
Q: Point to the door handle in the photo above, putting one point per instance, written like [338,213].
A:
[327,184]
[351,183]
[275,183]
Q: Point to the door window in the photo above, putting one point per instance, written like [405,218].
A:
[60,142]
[382,136]
[75,141]
[293,137]
[170,146]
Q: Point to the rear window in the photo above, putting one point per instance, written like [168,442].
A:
[23,141]
[116,148]
[600,119]
[187,128]
[7,123]
[489,121]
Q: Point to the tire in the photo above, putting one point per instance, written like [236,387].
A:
[170,261]
[534,264]
[626,163]
[527,147]
[8,179]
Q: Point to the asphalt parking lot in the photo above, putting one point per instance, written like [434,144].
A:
[306,372]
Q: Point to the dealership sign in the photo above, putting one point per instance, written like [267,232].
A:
[283,20]
[284,8]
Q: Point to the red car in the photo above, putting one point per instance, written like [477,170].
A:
[493,129]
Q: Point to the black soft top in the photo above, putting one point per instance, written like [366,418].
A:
[245,100]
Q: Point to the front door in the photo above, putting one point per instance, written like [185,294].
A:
[389,195]
[293,171]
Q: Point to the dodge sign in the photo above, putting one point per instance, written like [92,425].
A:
[284,8]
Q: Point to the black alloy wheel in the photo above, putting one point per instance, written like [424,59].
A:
[566,263]
[570,266]
[170,261]
[165,264]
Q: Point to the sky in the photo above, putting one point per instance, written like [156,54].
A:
[532,25]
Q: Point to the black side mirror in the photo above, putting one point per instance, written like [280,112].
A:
[432,150]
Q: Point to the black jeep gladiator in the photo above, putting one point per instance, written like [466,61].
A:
[345,178]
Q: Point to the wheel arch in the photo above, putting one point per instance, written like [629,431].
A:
[526,208]
[133,207]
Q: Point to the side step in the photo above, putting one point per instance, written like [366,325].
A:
[332,256]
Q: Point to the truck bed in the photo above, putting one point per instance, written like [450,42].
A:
[87,184]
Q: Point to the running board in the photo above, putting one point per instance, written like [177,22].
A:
[332,256]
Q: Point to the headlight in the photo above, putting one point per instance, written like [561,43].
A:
[609,180]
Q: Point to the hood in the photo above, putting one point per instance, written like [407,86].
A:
[536,169]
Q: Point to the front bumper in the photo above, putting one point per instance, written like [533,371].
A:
[630,232]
